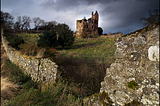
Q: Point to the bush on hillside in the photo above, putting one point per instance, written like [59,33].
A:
[15,41]
[100,31]
[29,49]
[48,39]
[65,37]
[50,53]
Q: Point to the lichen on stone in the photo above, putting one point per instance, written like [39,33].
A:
[104,99]
[133,103]
[132,85]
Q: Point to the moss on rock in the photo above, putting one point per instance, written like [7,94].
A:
[104,99]
[132,85]
[133,103]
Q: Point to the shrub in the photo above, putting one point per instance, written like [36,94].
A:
[29,49]
[48,39]
[50,53]
[32,49]
[15,41]
[100,31]
[65,37]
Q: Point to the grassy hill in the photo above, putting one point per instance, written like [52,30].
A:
[81,70]
[86,62]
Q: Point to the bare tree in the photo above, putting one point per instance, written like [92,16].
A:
[52,25]
[36,21]
[42,22]
[47,25]
[153,17]
[18,23]
[6,20]
[26,22]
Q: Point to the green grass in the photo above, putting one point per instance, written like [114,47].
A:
[86,61]
[15,74]
[29,37]
[100,48]
[53,96]
[31,94]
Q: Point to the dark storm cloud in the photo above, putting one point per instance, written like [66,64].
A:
[115,15]
[64,5]
[123,15]
[60,5]
[19,7]
[126,14]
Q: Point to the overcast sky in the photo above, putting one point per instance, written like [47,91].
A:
[114,15]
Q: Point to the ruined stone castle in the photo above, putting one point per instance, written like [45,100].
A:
[90,25]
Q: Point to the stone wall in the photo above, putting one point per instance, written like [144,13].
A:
[40,70]
[135,73]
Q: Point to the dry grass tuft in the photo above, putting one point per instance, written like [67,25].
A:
[87,73]
[8,89]
[40,53]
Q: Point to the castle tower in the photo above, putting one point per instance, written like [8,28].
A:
[96,15]
[91,25]
[96,18]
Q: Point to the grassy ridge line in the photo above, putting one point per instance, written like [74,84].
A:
[99,47]
[90,47]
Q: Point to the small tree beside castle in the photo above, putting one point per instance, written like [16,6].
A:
[63,36]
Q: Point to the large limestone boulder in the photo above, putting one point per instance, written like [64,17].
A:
[134,76]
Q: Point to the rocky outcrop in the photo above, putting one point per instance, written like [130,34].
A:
[40,70]
[135,73]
